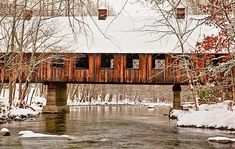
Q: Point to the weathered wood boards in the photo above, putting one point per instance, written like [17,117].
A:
[65,67]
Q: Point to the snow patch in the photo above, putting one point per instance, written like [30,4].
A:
[31,134]
[19,112]
[221,140]
[177,113]
[4,130]
[208,116]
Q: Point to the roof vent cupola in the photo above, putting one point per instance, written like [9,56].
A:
[102,13]
[180,12]
[27,14]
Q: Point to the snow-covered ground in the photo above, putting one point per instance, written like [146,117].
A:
[208,116]
[16,113]
[218,116]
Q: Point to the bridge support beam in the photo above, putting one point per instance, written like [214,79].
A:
[176,96]
[56,98]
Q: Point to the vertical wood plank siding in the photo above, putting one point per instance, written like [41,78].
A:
[118,74]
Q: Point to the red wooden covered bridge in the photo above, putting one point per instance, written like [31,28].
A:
[110,68]
[107,51]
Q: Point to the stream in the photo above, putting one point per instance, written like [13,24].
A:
[109,127]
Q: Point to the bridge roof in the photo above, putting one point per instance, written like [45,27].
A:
[122,34]
[126,35]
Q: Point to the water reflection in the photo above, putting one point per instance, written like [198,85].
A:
[96,113]
[55,123]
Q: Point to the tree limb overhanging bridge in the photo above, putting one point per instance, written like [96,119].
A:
[118,55]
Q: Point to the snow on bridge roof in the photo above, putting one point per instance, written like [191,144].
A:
[120,34]
[123,35]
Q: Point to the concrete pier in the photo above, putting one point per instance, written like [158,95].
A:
[176,96]
[56,98]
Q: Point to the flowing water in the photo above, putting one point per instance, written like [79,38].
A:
[109,127]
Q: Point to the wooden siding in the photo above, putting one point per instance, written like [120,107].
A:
[118,74]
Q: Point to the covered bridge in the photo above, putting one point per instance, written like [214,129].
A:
[115,50]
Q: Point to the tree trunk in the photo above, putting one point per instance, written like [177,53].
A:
[26,85]
[10,93]
[36,87]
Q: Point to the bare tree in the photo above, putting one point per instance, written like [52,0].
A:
[220,15]
[169,25]
[21,36]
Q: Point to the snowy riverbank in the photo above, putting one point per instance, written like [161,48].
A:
[73,103]
[19,114]
[209,116]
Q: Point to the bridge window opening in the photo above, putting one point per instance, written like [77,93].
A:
[132,61]
[58,63]
[213,61]
[216,60]
[107,60]
[82,61]
[183,60]
[158,61]
[209,63]
[2,62]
